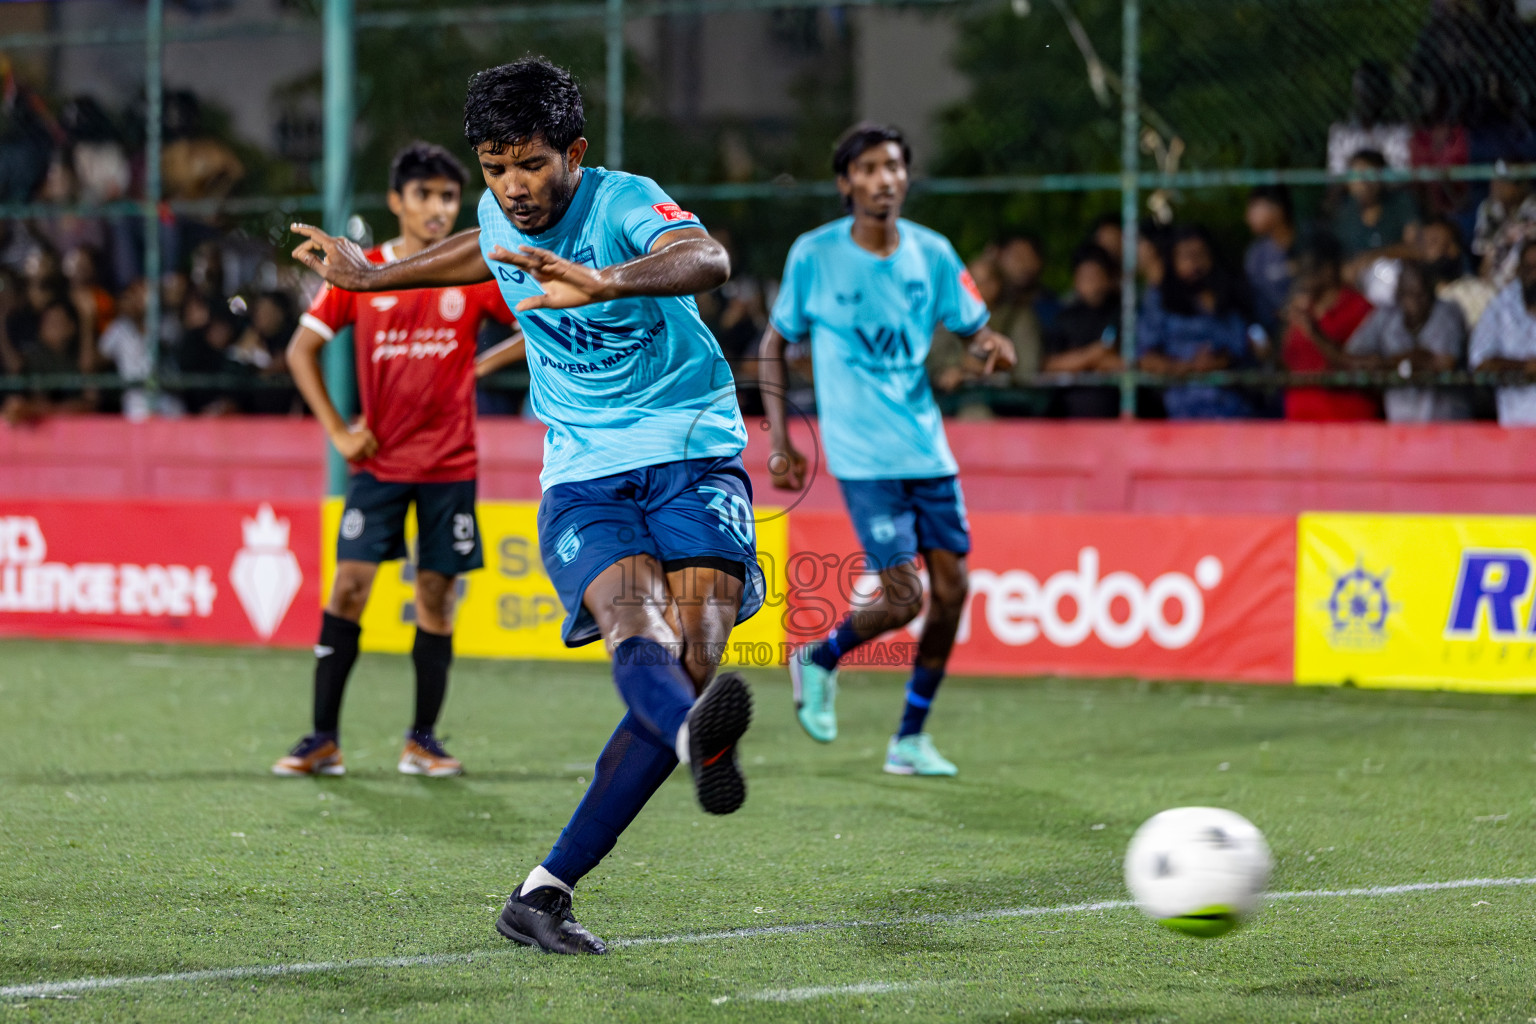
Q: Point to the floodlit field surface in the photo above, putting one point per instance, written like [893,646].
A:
[140,834]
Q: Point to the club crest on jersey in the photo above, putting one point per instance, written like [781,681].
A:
[671,211]
[383,302]
[917,294]
[450,304]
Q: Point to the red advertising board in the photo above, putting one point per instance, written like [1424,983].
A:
[1158,597]
[228,572]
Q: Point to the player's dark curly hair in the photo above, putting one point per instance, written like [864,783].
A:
[863,136]
[511,103]
[421,161]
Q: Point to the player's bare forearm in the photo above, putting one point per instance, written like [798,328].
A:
[499,357]
[304,364]
[456,260]
[682,262]
[773,382]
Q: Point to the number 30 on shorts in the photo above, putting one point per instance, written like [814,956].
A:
[734,513]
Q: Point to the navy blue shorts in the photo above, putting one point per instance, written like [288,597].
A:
[447,533]
[897,520]
[675,512]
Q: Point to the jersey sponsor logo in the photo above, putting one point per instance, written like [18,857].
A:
[586,254]
[422,343]
[885,343]
[507,273]
[969,284]
[384,302]
[583,339]
[450,304]
[672,212]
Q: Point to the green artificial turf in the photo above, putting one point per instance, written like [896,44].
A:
[141,834]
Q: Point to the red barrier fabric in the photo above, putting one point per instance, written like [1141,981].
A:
[1164,597]
[1007,465]
[244,572]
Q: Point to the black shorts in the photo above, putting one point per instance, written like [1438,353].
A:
[447,533]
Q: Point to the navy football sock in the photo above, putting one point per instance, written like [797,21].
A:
[920,690]
[843,639]
[335,655]
[654,685]
[631,768]
[432,654]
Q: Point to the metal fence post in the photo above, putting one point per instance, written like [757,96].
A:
[154,130]
[1130,131]
[340,112]
[613,30]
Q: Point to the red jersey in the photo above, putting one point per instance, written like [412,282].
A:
[415,371]
[1328,404]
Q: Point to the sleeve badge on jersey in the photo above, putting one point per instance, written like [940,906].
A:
[450,305]
[671,211]
[970,286]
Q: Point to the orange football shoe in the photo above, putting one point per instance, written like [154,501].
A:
[424,755]
[312,755]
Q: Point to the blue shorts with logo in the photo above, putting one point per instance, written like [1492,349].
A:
[696,511]
[447,533]
[897,520]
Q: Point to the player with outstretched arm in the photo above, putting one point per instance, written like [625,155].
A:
[646,524]
[415,444]
[867,292]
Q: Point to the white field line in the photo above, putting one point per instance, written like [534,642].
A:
[46,989]
[800,995]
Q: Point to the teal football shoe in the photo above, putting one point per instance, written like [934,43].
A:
[815,696]
[915,755]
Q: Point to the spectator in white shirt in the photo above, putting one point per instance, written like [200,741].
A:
[1418,334]
[1367,127]
[124,343]
[1505,341]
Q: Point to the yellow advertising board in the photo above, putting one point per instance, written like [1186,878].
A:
[510,609]
[1435,602]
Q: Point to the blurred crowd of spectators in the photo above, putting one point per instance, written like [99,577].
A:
[73,291]
[1409,280]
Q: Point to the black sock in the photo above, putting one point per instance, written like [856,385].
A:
[432,654]
[335,655]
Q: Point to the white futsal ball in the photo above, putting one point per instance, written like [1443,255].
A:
[1198,870]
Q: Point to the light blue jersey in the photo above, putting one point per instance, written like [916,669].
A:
[870,322]
[623,384]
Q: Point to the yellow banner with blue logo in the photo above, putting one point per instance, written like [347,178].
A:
[1435,602]
[510,609]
